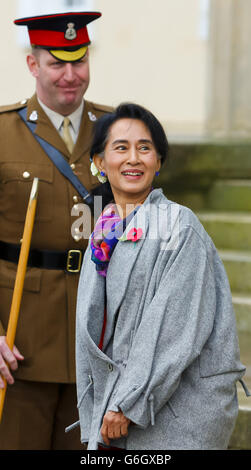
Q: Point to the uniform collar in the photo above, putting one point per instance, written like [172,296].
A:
[47,131]
[57,119]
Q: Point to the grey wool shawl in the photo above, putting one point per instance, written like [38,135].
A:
[170,358]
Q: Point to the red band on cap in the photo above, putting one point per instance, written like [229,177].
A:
[55,39]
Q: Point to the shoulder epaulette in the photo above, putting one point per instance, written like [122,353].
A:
[103,108]
[13,107]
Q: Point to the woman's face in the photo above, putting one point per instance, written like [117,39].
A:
[130,159]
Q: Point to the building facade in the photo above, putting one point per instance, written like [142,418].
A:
[187,61]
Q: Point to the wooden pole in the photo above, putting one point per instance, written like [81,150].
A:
[20,276]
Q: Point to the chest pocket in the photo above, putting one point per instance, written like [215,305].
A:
[15,186]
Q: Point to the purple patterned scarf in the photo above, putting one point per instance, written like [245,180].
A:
[108,229]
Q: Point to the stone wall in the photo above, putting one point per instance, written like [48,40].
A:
[229,68]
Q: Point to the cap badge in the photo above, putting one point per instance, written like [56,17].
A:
[71,32]
[92,116]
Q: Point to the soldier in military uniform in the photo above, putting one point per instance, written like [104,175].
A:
[41,399]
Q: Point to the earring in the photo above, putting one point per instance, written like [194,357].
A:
[157,173]
[95,172]
[102,177]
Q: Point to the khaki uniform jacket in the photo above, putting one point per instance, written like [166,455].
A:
[46,328]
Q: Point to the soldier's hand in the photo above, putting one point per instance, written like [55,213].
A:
[8,357]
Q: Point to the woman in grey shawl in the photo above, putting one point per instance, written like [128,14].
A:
[156,344]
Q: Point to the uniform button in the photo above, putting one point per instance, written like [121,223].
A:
[26,174]
[73,166]
[75,198]
[110,367]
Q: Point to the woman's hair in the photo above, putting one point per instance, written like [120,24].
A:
[129,111]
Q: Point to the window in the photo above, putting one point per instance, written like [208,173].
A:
[34,8]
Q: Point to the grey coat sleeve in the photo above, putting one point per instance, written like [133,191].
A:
[84,381]
[172,332]
[82,363]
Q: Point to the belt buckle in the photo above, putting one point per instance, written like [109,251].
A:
[74,266]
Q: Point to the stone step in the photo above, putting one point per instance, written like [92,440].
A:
[195,200]
[198,161]
[241,437]
[229,230]
[221,195]
[242,308]
[229,195]
[245,354]
[238,268]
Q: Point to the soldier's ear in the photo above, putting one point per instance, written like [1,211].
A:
[33,65]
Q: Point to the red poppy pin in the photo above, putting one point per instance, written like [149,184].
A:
[133,235]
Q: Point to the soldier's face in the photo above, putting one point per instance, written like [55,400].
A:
[60,85]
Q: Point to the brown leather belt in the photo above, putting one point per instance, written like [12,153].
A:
[69,261]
